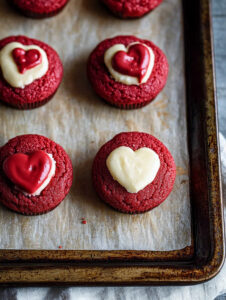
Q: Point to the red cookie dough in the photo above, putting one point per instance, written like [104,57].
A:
[55,191]
[119,94]
[39,8]
[111,192]
[39,91]
[131,8]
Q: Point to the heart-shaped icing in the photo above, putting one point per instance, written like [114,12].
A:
[134,170]
[28,171]
[26,60]
[21,64]
[131,65]
[134,62]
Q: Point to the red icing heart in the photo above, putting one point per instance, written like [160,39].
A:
[28,171]
[134,63]
[26,60]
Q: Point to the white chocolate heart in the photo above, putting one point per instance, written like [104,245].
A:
[10,70]
[126,79]
[134,170]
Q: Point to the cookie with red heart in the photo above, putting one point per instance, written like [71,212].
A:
[39,8]
[30,72]
[35,174]
[127,72]
[134,172]
[129,9]
[26,60]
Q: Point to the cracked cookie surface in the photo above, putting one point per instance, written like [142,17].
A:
[56,190]
[131,8]
[39,91]
[111,192]
[39,8]
[119,94]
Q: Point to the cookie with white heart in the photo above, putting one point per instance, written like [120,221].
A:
[134,172]
[35,174]
[39,9]
[30,72]
[128,9]
[127,72]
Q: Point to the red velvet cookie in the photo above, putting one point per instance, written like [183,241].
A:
[28,64]
[131,8]
[35,174]
[116,195]
[39,8]
[141,59]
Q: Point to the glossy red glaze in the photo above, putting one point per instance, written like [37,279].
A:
[134,63]
[26,60]
[28,171]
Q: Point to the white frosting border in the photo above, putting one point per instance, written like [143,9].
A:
[10,70]
[46,182]
[126,79]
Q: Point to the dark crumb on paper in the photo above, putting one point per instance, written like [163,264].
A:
[183,181]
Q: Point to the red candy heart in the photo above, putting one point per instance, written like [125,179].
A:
[26,60]
[28,171]
[134,63]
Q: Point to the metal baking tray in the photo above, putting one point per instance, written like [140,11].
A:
[194,264]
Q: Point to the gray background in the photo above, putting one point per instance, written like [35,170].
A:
[219,30]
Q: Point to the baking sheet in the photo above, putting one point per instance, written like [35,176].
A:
[78,120]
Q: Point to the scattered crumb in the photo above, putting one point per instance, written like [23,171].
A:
[183,181]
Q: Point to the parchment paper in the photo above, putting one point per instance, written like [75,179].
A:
[78,120]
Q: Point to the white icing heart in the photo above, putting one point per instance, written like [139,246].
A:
[10,70]
[126,79]
[134,170]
